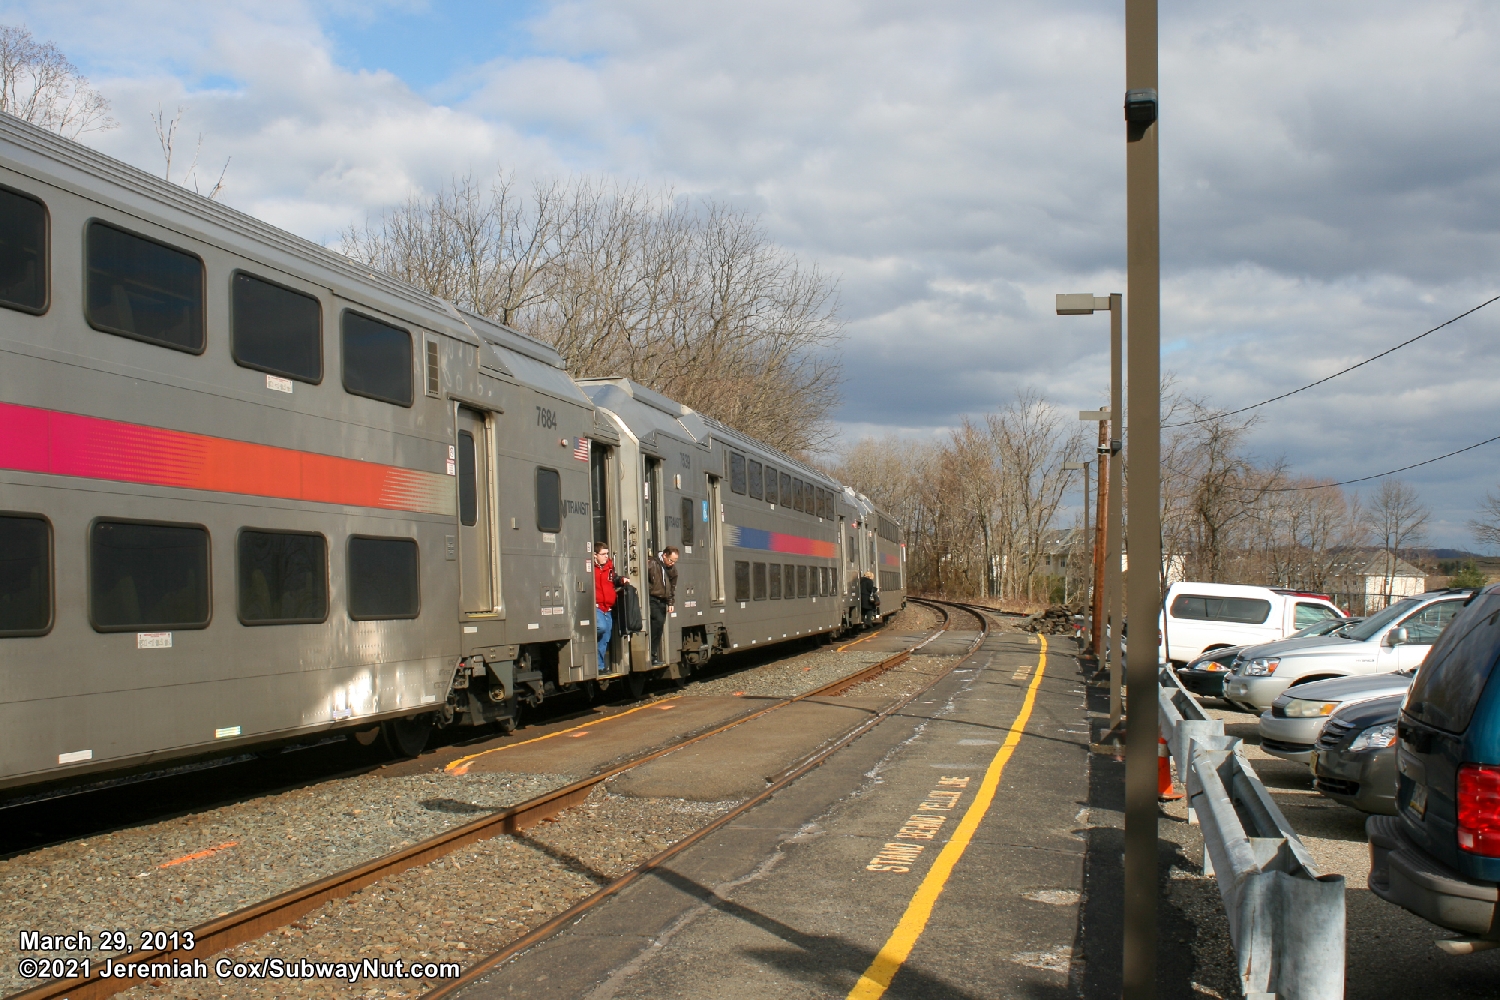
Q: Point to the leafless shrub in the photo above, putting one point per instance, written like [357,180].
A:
[39,85]
[694,301]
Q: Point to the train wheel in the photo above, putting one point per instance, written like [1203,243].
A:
[407,737]
[637,684]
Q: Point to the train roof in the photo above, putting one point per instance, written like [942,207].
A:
[66,163]
[646,414]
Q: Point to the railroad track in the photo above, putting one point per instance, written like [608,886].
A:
[252,922]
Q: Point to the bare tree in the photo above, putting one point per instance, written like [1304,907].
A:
[39,85]
[1486,527]
[1398,519]
[693,301]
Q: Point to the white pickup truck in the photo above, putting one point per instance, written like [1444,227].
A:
[1205,616]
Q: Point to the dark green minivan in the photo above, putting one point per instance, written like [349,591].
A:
[1439,857]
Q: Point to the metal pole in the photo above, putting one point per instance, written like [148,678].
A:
[1085,514]
[1101,507]
[1116,512]
[1142,209]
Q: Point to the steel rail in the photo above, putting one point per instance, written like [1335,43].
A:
[489,963]
[253,921]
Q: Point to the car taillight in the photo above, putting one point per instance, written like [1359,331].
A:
[1479,809]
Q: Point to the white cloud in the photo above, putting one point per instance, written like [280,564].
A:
[1330,177]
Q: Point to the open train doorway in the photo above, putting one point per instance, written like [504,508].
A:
[601,465]
[475,515]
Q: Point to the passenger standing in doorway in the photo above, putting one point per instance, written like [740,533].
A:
[869,596]
[662,585]
[605,581]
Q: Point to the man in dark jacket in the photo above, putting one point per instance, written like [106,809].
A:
[869,597]
[661,579]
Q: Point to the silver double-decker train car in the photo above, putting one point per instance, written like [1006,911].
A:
[251,493]
[771,550]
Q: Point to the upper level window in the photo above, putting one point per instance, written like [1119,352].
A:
[23,252]
[786,489]
[140,288]
[548,501]
[25,574]
[798,495]
[770,485]
[377,359]
[756,491]
[276,329]
[148,576]
[737,472]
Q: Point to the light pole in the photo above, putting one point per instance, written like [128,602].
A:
[1084,468]
[1143,285]
[1111,490]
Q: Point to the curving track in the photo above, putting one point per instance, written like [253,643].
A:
[252,922]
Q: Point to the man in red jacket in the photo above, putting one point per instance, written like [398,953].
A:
[605,580]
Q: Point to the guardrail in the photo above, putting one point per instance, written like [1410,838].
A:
[1285,920]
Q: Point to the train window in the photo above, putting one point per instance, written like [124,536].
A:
[23,252]
[758,581]
[774,582]
[741,581]
[788,582]
[850,548]
[796,494]
[434,369]
[468,488]
[823,588]
[822,503]
[757,492]
[147,576]
[736,472]
[275,329]
[786,489]
[383,578]
[689,506]
[548,501]
[25,574]
[770,485]
[140,288]
[283,577]
[377,359]
[801,581]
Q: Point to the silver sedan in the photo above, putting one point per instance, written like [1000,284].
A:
[1290,727]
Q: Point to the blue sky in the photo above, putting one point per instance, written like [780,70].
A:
[1330,176]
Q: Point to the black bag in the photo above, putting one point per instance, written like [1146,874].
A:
[627,610]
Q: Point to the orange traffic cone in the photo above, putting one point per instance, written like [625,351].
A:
[1164,789]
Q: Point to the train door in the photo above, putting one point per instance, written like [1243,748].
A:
[655,542]
[715,541]
[601,458]
[841,580]
[475,515]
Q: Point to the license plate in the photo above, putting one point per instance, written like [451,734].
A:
[1418,803]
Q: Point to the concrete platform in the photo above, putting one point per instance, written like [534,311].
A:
[798,896]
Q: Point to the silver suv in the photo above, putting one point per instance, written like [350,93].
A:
[1396,638]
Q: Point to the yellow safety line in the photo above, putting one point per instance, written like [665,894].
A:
[856,642]
[877,978]
[463,762]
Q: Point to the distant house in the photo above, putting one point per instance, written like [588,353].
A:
[1061,545]
[1363,582]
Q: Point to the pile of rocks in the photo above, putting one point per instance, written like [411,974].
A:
[1056,620]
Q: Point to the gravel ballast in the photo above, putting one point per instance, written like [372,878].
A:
[244,852]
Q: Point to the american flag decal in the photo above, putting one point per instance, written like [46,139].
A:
[582,451]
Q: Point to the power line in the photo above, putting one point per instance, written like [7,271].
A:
[1284,395]
[1378,475]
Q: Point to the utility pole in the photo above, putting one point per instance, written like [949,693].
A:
[1112,550]
[1143,288]
[1101,548]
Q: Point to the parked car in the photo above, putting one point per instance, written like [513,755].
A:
[1205,675]
[1354,760]
[1201,617]
[1395,638]
[1439,856]
[1290,727]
